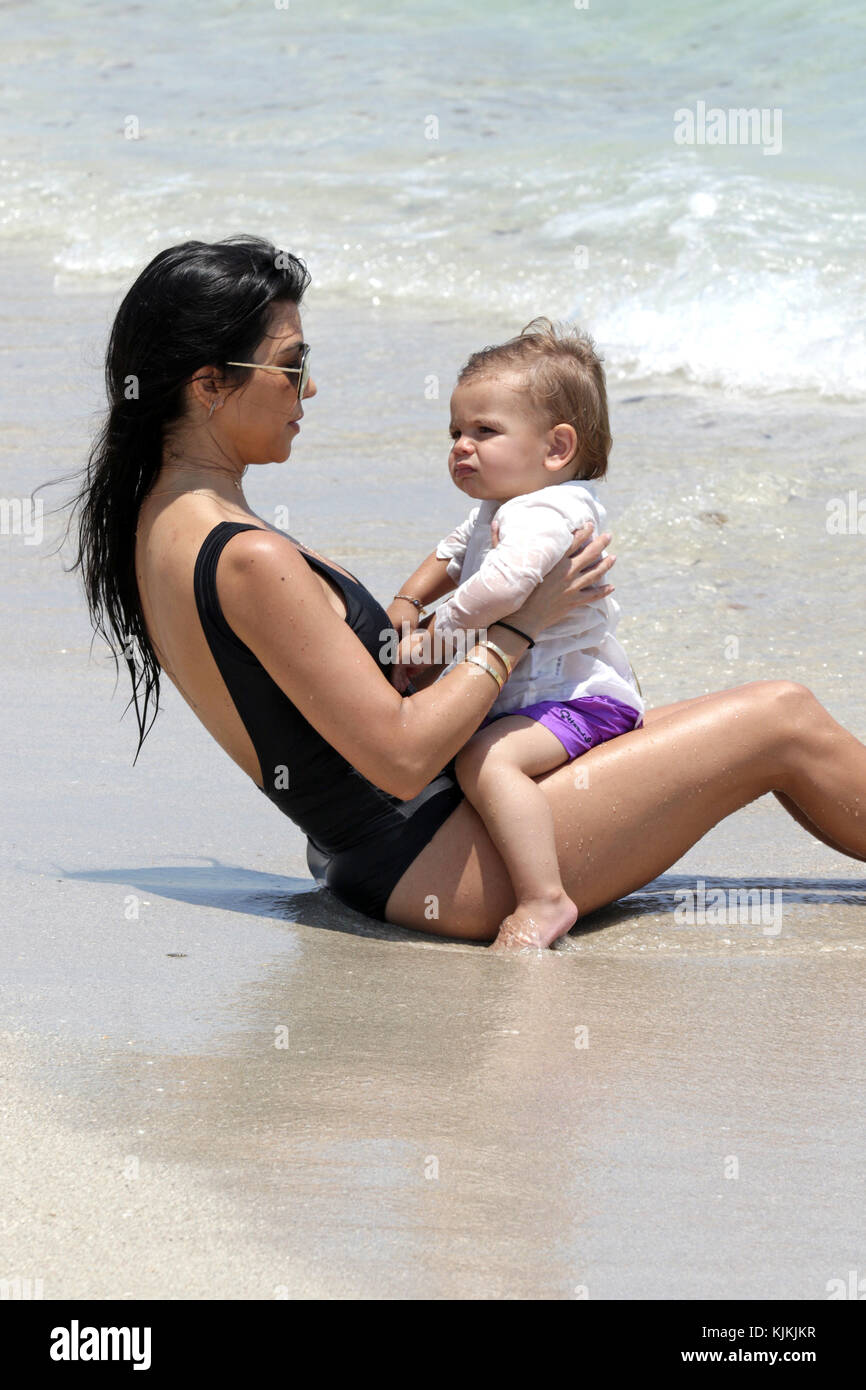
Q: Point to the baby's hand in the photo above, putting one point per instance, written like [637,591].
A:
[412,657]
[400,678]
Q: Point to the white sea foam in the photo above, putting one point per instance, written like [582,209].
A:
[553,184]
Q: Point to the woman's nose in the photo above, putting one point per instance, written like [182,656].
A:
[311,389]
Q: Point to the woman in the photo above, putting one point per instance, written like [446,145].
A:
[279,652]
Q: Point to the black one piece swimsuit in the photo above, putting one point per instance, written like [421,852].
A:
[360,839]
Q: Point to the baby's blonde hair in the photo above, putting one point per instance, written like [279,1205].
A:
[564,380]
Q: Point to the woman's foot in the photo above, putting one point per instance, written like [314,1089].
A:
[535,924]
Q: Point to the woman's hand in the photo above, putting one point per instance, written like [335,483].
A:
[571,584]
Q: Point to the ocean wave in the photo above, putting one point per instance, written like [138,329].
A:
[737,281]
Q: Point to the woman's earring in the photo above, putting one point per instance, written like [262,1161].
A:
[214,406]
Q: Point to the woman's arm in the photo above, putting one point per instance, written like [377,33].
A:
[275,605]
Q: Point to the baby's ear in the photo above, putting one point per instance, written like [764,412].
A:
[563,446]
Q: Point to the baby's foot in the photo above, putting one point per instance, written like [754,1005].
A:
[536,924]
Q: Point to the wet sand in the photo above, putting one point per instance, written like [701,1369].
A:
[437,1124]
[302,1104]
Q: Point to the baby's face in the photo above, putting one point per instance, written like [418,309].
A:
[498,444]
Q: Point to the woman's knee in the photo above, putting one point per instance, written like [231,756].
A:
[791,709]
[789,699]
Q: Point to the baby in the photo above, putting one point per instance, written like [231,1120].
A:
[529,429]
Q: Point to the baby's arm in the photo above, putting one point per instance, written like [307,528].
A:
[429,582]
[532,539]
[435,576]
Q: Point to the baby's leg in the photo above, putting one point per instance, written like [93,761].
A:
[495,770]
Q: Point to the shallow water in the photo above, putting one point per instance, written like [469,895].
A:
[503,159]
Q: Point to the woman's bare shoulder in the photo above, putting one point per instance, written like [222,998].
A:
[267,590]
[260,563]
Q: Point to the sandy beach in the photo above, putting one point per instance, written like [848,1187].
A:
[221,1083]
[217,1081]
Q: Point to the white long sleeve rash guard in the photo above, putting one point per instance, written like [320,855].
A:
[577,657]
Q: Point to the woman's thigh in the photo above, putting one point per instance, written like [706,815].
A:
[623,813]
[652,716]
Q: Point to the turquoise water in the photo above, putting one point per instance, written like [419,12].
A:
[496,160]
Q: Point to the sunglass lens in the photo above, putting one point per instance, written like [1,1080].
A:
[305,374]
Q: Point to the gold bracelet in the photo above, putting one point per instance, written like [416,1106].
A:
[485,666]
[503,656]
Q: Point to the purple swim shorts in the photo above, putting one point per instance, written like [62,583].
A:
[581,724]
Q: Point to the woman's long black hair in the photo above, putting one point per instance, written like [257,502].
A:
[194,305]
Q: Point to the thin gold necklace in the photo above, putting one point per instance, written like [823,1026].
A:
[184,491]
[179,492]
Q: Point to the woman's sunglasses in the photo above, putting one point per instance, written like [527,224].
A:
[303,368]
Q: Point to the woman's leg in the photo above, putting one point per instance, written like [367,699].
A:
[665,711]
[628,809]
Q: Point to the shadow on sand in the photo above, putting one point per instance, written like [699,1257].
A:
[232,888]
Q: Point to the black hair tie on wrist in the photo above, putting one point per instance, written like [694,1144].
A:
[511,628]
